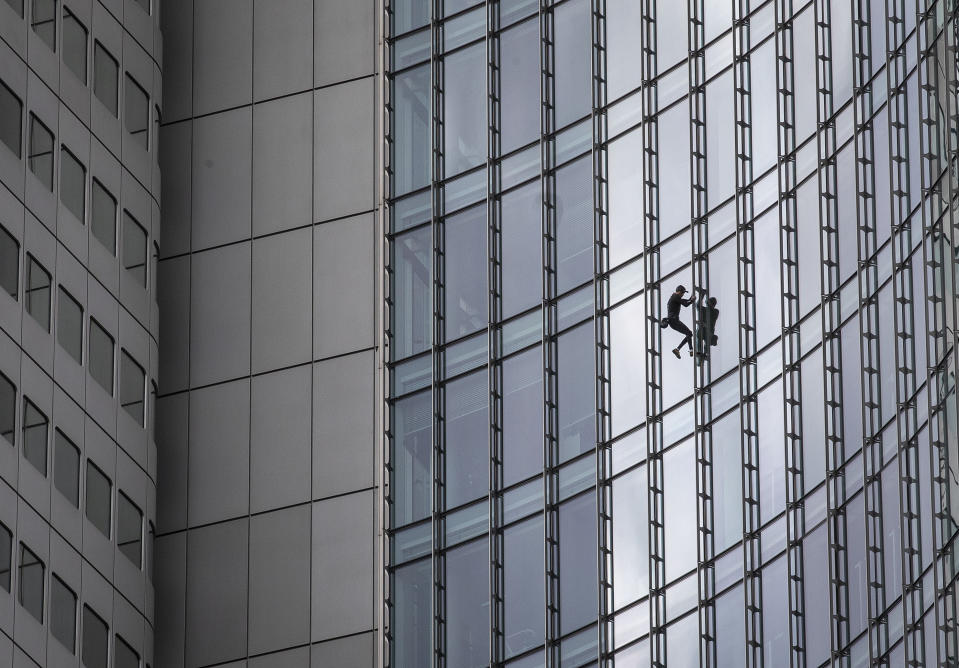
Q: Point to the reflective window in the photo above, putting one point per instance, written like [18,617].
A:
[630,536]
[411,130]
[40,153]
[74,45]
[43,20]
[409,14]
[574,224]
[126,657]
[63,614]
[412,615]
[467,295]
[103,216]
[129,529]
[412,290]
[519,85]
[66,468]
[106,74]
[467,605]
[464,109]
[525,589]
[35,425]
[9,264]
[95,640]
[628,364]
[412,451]
[577,404]
[573,58]
[11,119]
[134,248]
[31,575]
[36,294]
[816,595]
[136,114]
[467,438]
[674,163]
[70,324]
[521,249]
[623,24]
[679,492]
[578,595]
[776,613]
[522,416]
[100,356]
[73,184]
[730,628]
[98,498]
[6,551]
[8,408]
[132,386]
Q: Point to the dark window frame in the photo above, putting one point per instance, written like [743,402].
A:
[35,154]
[18,149]
[30,293]
[112,104]
[60,442]
[22,566]
[5,278]
[56,581]
[34,423]
[83,76]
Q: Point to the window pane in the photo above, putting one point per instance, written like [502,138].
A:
[577,553]
[577,413]
[136,114]
[66,468]
[412,291]
[100,356]
[411,131]
[40,154]
[94,640]
[464,105]
[574,224]
[98,499]
[129,529]
[522,240]
[8,408]
[35,426]
[63,614]
[467,605]
[31,582]
[70,325]
[412,618]
[106,75]
[11,121]
[6,547]
[9,264]
[125,656]
[37,292]
[131,387]
[412,483]
[44,21]
[134,249]
[523,416]
[467,438]
[74,45]
[466,269]
[525,590]
[73,184]
[520,84]
[573,58]
[103,217]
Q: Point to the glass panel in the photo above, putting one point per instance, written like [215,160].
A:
[776,614]
[674,165]
[137,112]
[513,10]
[70,324]
[626,206]
[106,76]
[411,130]
[522,240]
[63,614]
[31,582]
[412,482]
[8,408]
[519,85]
[467,523]
[100,356]
[679,500]
[40,155]
[522,331]
[129,529]
[466,355]
[6,551]
[772,462]
[520,167]
[464,109]
[816,590]
[523,500]
[9,264]
[467,438]
[577,554]
[132,386]
[412,49]
[134,249]
[103,217]
[413,374]
[577,415]
[409,14]
[681,647]
[671,20]
[35,425]
[631,538]
[37,293]
[731,628]
[627,325]
[623,24]
[66,468]
[467,605]
[574,224]
[73,184]
[464,28]
[11,119]
[412,290]
[579,649]
[95,640]
[98,499]
[412,617]
[715,334]
[467,295]
[411,211]
[74,45]
[721,138]
[525,594]
[572,53]
[43,20]
[125,656]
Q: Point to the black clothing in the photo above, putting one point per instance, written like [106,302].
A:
[706,326]
[678,325]
[674,303]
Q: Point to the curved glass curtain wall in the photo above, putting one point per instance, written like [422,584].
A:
[544,203]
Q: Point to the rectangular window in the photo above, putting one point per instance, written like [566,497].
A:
[73,183]
[63,614]
[95,640]
[31,582]
[136,114]
[103,217]
[100,356]
[74,45]
[11,119]
[132,379]
[70,324]
[40,152]
[129,529]
[66,468]
[6,549]
[9,264]
[43,20]
[134,248]
[125,656]
[37,292]
[98,498]
[8,408]
[35,425]
[106,73]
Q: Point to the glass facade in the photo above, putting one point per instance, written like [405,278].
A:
[560,491]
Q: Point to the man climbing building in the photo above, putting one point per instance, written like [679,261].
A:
[672,320]
[706,316]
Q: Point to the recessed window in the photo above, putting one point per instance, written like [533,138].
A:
[43,20]
[74,45]
[129,529]
[70,324]
[106,73]
[17,6]
[135,248]
[152,410]
[6,550]
[125,656]
[73,183]
[151,540]
[145,4]
[40,152]
[154,267]
[103,217]
[95,640]
[35,425]
[9,264]
[100,356]
[37,293]
[132,379]
[31,582]
[63,614]
[66,468]
[8,408]
[98,498]
[136,113]
[11,119]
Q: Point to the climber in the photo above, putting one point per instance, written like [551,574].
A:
[706,316]
[672,320]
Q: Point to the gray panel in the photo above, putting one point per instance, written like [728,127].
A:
[221,178]
[282,39]
[280,439]
[279,567]
[344,411]
[344,147]
[343,286]
[353,652]
[220,314]
[294,658]
[281,300]
[176,166]
[346,48]
[173,297]
[282,171]
[343,573]
[172,466]
[219,452]
[223,50]
[216,593]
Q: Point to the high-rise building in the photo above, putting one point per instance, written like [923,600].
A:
[417,402]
